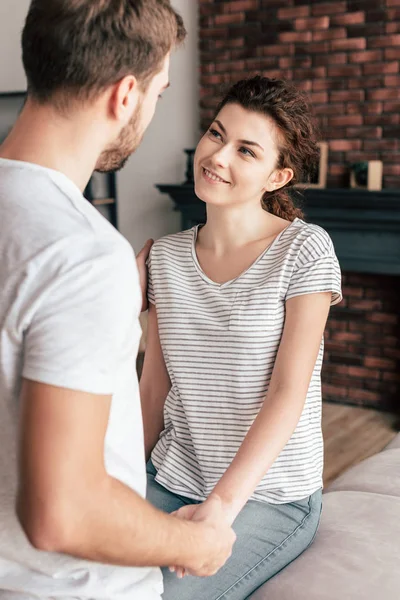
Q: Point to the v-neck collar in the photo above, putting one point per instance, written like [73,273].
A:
[228,283]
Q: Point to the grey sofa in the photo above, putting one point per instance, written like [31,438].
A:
[356,553]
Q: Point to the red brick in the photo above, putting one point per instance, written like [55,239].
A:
[305,86]
[379,68]
[328,8]
[329,34]
[346,336]
[393,27]
[391,169]
[334,391]
[388,376]
[213,32]
[379,363]
[382,318]
[239,5]
[319,97]
[317,47]
[384,41]
[354,108]
[311,23]
[316,72]
[279,50]
[365,56]
[338,58]
[330,109]
[276,73]
[344,71]
[364,132]
[391,106]
[293,12]
[295,61]
[328,84]
[365,82]
[347,95]
[348,18]
[345,145]
[365,304]
[345,120]
[338,169]
[392,80]
[227,19]
[378,145]
[358,156]
[349,44]
[235,42]
[211,79]
[335,133]
[383,94]
[362,372]
[392,53]
[295,36]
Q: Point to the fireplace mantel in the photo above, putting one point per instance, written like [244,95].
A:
[364,226]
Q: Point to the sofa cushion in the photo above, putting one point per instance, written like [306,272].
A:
[355,553]
[379,474]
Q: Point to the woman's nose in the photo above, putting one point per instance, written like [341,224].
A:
[221,157]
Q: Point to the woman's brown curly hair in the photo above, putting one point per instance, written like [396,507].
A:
[298,150]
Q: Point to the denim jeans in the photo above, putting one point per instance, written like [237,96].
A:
[269,537]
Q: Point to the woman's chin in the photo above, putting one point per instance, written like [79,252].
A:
[208,196]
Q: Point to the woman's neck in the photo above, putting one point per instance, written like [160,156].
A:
[231,228]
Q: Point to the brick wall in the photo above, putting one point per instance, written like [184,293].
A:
[362,344]
[346,54]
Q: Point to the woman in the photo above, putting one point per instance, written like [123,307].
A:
[231,387]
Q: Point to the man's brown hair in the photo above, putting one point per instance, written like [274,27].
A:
[79,47]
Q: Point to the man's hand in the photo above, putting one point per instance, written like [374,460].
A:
[220,537]
[141,263]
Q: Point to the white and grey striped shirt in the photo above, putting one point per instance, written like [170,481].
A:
[219,343]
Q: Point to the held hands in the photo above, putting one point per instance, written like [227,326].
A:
[142,267]
[219,536]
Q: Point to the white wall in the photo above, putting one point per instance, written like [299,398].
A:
[12,18]
[143,211]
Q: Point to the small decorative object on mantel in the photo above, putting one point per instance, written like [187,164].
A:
[367,175]
[319,180]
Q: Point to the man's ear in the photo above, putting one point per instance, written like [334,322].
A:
[278,179]
[124,98]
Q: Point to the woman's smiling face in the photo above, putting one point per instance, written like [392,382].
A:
[235,161]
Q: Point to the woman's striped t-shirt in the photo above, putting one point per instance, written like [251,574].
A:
[219,343]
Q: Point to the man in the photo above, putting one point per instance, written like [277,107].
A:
[73,521]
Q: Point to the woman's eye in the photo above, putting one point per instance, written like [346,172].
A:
[215,133]
[246,151]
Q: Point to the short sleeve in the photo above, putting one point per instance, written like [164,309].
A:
[316,268]
[83,322]
[150,289]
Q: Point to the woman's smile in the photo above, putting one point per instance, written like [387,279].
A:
[211,177]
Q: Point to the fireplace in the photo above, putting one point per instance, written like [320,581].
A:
[362,339]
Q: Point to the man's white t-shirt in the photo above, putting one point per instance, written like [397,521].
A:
[69,306]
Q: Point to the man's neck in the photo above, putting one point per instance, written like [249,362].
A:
[70,145]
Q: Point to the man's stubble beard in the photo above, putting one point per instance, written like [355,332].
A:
[116,155]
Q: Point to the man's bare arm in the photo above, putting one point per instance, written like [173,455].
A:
[68,503]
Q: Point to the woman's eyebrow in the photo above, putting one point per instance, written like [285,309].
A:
[247,142]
